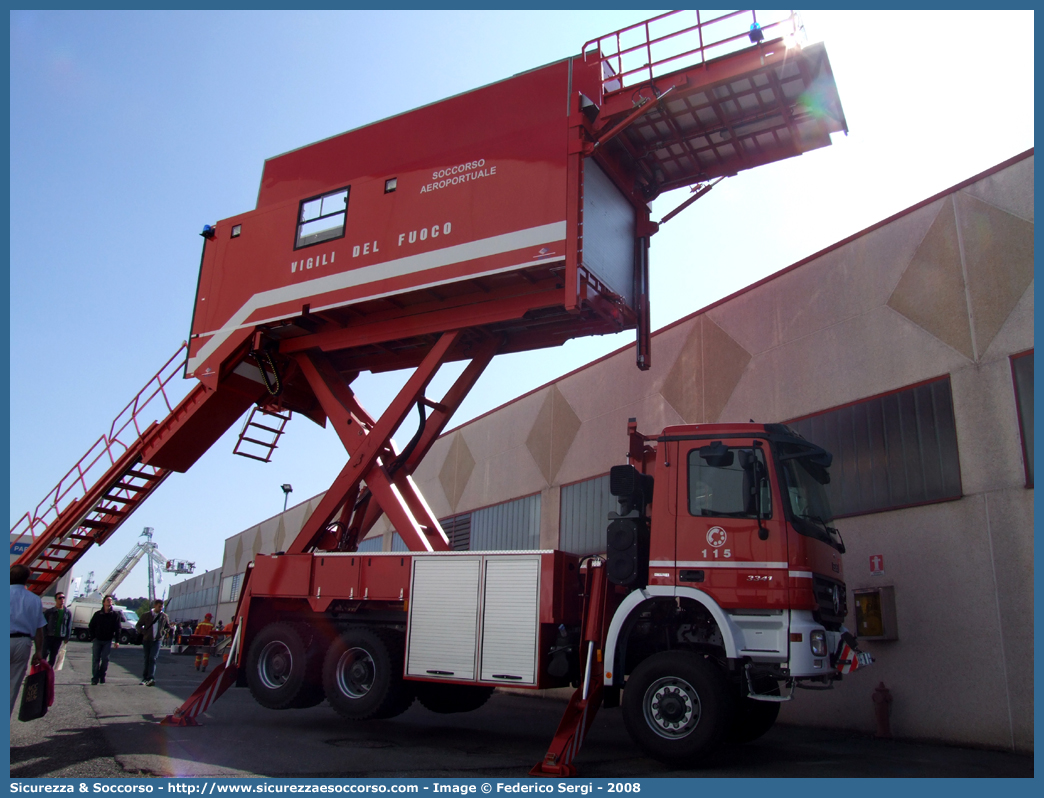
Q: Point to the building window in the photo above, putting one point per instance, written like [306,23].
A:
[230,588]
[458,530]
[511,526]
[1022,373]
[321,218]
[890,451]
[371,544]
[584,515]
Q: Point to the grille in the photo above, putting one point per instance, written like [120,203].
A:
[824,590]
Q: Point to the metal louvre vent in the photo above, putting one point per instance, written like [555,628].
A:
[890,451]
[584,515]
[832,599]
[510,526]
[458,530]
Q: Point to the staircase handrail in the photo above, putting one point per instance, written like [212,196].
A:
[65,493]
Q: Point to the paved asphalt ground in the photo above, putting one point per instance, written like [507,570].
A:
[112,731]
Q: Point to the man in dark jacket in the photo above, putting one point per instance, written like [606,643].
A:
[105,629]
[58,629]
[152,625]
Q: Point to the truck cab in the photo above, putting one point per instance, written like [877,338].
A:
[732,583]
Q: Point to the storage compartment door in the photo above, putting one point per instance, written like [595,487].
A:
[443,630]
[510,620]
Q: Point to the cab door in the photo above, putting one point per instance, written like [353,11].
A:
[731,538]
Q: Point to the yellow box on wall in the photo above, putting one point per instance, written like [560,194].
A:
[875,613]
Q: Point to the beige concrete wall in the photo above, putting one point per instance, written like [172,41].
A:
[945,288]
[188,600]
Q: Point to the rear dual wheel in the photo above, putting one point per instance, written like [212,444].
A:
[284,665]
[362,675]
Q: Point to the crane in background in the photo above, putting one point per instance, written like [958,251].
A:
[157,564]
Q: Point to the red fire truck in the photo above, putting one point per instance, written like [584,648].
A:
[722,581]
[509,218]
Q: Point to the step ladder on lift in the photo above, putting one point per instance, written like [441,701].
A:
[260,434]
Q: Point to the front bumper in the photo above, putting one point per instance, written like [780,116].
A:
[803,663]
[843,654]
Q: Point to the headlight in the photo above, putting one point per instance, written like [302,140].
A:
[817,640]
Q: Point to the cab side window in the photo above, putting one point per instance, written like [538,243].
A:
[728,482]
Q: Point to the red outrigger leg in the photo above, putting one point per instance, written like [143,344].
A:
[222,677]
[587,699]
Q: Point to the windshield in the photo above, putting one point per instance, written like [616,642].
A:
[130,615]
[808,498]
[806,479]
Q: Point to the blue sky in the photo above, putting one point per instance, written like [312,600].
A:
[131,130]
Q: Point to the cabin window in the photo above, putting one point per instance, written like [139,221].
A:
[321,218]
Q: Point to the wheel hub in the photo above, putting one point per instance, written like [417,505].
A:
[275,664]
[355,673]
[672,707]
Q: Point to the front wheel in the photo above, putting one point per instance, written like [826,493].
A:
[362,675]
[124,638]
[677,707]
[82,635]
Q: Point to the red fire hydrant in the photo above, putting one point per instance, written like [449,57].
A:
[882,698]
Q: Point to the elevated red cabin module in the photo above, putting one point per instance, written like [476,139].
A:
[519,209]
[460,205]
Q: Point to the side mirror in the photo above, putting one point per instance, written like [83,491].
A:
[633,488]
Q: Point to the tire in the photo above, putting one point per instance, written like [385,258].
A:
[751,719]
[677,707]
[362,675]
[448,698]
[277,667]
[124,638]
[82,635]
[312,692]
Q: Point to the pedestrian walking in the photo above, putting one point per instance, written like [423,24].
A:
[152,625]
[58,629]
[104,629]
[27,628]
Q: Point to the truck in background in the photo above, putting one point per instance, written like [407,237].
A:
[83,610]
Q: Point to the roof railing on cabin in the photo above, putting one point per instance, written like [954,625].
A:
[681,39]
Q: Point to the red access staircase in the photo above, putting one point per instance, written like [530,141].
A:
[104,487]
